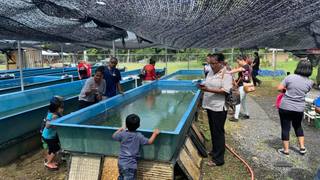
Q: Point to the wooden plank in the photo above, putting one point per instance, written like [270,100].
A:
[188,165]
[193,152]
[155,170]
[84,168]
[198,144]
[146,170]
[198,133]
[110,169]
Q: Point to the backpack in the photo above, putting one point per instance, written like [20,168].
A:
[233,97]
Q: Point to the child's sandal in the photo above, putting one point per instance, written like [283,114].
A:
[51,166]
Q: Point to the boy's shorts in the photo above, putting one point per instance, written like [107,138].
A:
[44,144]
[127,174]
[53,145]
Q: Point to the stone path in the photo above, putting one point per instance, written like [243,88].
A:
[259,139]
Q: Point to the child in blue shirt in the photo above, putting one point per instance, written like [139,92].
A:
[131,142]
[49,133]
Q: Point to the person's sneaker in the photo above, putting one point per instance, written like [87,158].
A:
[246,117]
[303,151]
[233,119]
[282,152]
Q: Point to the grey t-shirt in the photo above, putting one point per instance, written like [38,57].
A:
[297,87]
[130,143]
[90,83]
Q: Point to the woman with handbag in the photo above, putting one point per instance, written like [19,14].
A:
[245,86]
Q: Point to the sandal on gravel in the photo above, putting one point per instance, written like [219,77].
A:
[51,166]
[302,151]
[212,164]
[282,152]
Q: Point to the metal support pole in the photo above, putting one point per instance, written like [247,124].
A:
[166,61]
[74,58]
[274,62]
[188,63]
[113,49]
[20,66]
[40,57]
[232,55]
[62,58]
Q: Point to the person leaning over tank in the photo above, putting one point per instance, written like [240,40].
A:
[113,77]
[291,110]
[216,86]
[93,90]
[131,142]
[84,69]
[149,71]
[49,134]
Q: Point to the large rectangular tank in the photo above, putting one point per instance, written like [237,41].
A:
[168,105]
[187,75]
[14,85]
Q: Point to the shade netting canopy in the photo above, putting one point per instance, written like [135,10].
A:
[286,24]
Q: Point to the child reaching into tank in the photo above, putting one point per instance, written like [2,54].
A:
[131,142]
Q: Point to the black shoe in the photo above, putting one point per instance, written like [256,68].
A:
[282,152]
[303,151]
[233,119]
[246,117]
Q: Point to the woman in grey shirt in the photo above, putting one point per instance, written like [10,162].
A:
[292,105]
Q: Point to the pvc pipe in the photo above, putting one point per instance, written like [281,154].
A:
[20,66]
[166,61]
[62,58]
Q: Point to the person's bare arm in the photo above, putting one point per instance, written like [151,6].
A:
[213,90]
[281,88]
[119,130]
[119,87]
[153,136]
[240,69]
[48,122]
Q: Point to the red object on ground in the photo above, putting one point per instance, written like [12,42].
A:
[242,160]
[150,72]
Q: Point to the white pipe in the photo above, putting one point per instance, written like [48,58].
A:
[20,66]
[113,49]
[62,58]
[166,61]
[274,61]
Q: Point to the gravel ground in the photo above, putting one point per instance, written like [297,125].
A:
[259,139]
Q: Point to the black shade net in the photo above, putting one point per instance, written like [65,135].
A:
[287,24]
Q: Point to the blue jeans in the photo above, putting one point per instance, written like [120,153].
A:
[127,174]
